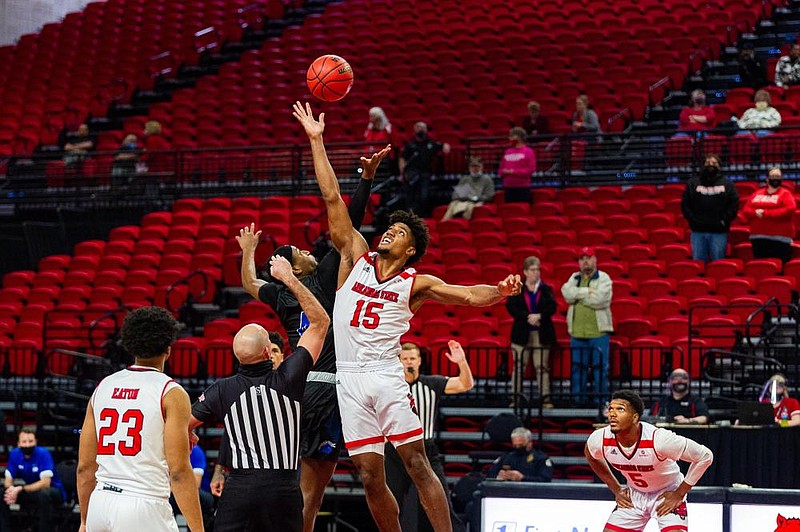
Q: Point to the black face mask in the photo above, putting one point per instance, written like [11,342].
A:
[680,387]
[774,183]
[520,451]
[421,135]
[710,172]
[27,452]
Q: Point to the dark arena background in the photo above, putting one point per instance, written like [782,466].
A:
[137,137]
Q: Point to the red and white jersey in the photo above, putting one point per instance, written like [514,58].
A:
[370,315]
[129,421]
[651,464]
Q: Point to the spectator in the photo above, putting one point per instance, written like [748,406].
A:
[588,293]
[710,203]
[379,130]
[696,117]
[154,157]
[585,120]
[276,349]
[751,70]
[124,165]
[680,406]
[535,123]
[761,118]
[787,409]
[787,70]
[198,460]
[532,333]
[770,211]
[416,167]
[516,168]
[78,145]
[472,191]
[524,463]
[31,481]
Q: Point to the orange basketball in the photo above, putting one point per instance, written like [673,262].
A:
[330,78]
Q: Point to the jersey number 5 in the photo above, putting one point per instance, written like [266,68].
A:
[637,479]
[132,444]
[370,319]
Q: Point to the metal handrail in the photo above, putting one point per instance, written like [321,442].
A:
[185,281]
[762,309]
[711,354]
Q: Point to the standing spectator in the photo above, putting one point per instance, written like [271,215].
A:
[787,409]
[787,69]
[472,191]
[155,145]
[535,123]
[770,211]
[31,481]
[698,116]
[680,406]
[416,167]
[134,447]
[276,349]
[585,120]
[751,70]
[78,145]
[517,167]
[263,487]
[524,463]
[761,118]
[588,293]
[710,203]
[426,391]
[532,333]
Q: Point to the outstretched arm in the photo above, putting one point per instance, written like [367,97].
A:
[464,382]
[248,241]
[318,319]
[428,287]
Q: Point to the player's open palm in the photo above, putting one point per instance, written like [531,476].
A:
[669,501]
[370,165]
[456,354]
[280,268]
[248,237]
[314,128]
[510,286]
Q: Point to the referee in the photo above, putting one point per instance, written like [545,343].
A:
[260,409]
[426,391]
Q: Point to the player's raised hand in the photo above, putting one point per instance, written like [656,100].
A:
[669,501]
[314,128]
[510,286]
[280,268]
[456,354]
[248,237]
[623,497]
[370,165]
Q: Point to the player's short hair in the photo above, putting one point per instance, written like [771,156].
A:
[632,397]
[148,332]
[422,236]
[408,346]
[276,339]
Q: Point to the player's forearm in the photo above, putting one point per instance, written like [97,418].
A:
[601,469]
[36,486]
[249,277]
[326,177]
[358,205]
[465,375]
[184,488]
[483,295]
[701,459]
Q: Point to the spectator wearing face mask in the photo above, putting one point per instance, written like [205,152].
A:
[787,409]
[787,69]
[697,116]
[416,167]
[680,406]
[710,203]
[761,118]
[751,70]
[770,212]
[524,463]
[472,190]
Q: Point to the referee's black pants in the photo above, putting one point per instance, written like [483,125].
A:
[399,483]
[260,499]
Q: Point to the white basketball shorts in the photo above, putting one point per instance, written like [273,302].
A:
[644,508]
[119,512]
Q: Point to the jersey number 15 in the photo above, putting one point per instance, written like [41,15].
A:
[131,443]
[369,319]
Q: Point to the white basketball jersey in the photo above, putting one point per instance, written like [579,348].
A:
[130,432]
[370,315]
[647,466]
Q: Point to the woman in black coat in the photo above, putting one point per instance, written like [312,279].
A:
[533,333]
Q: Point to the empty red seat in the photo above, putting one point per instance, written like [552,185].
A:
[780,288]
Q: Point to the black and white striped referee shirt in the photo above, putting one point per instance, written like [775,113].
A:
[260,409]
[426,391]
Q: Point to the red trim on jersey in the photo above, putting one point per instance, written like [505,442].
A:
[363,441]
[635,447]
[616,528]
[162,398]
[404,435]
[377,277]
[411,292]
[675,527]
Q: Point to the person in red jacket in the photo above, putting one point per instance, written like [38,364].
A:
[770,211]
[698,116]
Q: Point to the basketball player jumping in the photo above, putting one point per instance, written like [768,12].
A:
[647,456]
[378,294]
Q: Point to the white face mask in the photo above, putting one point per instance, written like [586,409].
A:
[761,105]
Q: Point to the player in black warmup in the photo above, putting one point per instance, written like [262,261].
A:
[321,428]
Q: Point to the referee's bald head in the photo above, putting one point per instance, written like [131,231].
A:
[251,344]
